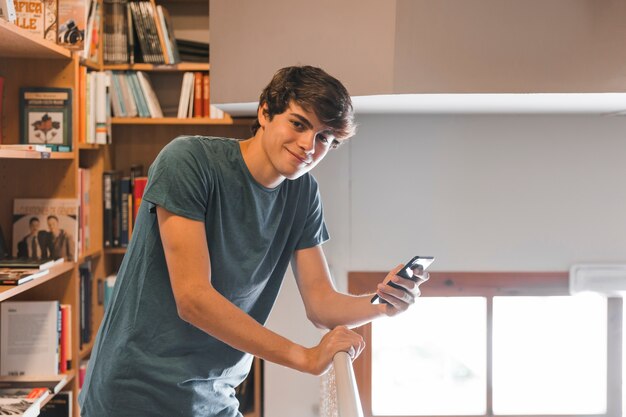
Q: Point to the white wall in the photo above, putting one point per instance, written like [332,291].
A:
[512,193]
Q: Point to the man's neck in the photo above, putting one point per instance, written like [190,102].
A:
[258,163]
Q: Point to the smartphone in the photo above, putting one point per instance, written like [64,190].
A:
[407,272]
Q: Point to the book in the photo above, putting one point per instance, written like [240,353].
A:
[206,95]
[22,402]
[85,295]
[109,285]
[185,91]
[30,16]
[54,383]
[46,117]
[7,11]
[108,178]
[1,94]
[50,20]
[138,189]
[197,94]
[18,276]
[72,18]
[30,263]
[115,32]
[65,339]
[29,338]
[59,406]
[168,33]
[45,228]
[151,98]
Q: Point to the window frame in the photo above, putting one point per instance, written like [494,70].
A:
[489,285]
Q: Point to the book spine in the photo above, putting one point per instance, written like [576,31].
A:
[7,11]
[124,220]
[206,95]
[107,212]
[138,189]
[198,96]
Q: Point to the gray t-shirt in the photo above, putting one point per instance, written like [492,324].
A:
[146,361]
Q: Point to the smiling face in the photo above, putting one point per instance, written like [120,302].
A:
[293,142]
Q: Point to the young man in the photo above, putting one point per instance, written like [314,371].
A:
[219,223]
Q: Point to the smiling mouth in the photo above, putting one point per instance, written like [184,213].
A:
[303,160]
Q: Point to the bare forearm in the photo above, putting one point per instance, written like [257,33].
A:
[339,309]
[226,322]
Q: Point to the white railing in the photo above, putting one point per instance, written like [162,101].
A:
[348,401]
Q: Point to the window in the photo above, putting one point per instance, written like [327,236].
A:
[493,344]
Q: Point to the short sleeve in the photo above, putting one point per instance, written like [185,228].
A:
[314,232]
[179,179]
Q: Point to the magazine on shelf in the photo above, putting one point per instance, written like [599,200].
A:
[30,263]
[46,117]
[22,402]
[34,352]
[30,16]
[54,383]
[45,228]
[18,276]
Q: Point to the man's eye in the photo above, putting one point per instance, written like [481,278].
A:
[297,124]
[322,138]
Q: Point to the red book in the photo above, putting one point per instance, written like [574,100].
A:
[138,188]
[197,94]
[82,105]
[206,94]
[66,337]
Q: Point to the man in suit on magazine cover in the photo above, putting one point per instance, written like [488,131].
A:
[219,223]
[36,244]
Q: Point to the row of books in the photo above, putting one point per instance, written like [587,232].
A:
[35,338]
[133,31]
[18,271]
[94,107]
[132,95]
[122,197]
[26,399]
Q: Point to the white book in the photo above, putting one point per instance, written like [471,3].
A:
[91,107]
[29,338]
[102,104]
[184,95]
[153,102]
[7,11]
[192,92]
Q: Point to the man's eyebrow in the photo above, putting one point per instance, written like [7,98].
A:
[309,125]
[303,120]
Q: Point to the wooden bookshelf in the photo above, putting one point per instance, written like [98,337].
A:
[16,42]
[10,291]
[227,120]
[183,66]
[20,154]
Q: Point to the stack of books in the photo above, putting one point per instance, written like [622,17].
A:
[17,271]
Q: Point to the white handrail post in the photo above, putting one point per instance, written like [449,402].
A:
[348,400]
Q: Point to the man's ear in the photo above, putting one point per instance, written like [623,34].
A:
[262,114]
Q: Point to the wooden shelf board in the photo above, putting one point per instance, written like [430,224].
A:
[20,154]
[91,254]
[8,291]
[70,376]
[173,121]
[90,146]
[19,43]
[183,66]
[115,251]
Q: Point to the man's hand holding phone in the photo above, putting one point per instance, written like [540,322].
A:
[400,287]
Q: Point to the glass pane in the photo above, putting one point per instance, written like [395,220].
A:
[431,360]
[549,355]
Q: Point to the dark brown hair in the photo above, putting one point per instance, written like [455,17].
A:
[314,90]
